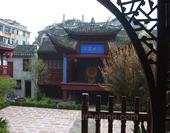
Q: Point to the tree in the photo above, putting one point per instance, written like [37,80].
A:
[124,75]
[7,85]
[38,72]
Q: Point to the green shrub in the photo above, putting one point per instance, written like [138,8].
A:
[3,105]
[72,107]
[69,106]
[28,104]
[3,126]
[31,100]
[17,103]
[39,105]
[117,108]
[62,106]
[53,106]
[103,107]
[78,106]
[128,108]
[45,100]
[12,103]
[38,96]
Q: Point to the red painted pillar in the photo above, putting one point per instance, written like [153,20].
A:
[64,97]
[2,60]
[73,97]
[1,63]
[118,100]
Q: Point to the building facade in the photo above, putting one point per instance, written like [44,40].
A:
[73,51]
[21,55]
[11,32]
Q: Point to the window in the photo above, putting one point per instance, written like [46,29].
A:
[13,31]
[18,84]
[12,41]
[54,64]
[1,27]
[58,64]
[7,29]
[50,65]
[23,42]
[1,39]
[16,41]
[23,33]
[25,62]
[28,34]
[6,40]
[17,32]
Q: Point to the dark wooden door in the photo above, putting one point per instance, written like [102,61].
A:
[10,64]
[27,88]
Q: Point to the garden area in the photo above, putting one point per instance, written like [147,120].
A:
[123,76]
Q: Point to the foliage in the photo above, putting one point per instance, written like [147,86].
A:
[118,108]
[4,104]
[123,74]
[7,85]
[38,72]
[44,100]
[95,29]
[65,40]
[46,105]
[38,96]
[3,125]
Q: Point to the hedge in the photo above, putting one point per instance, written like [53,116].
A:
[61,106]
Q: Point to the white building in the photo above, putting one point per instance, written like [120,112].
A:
[12,32]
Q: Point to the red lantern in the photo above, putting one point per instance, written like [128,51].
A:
[10,54]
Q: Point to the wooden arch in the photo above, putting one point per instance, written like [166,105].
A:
[157,86]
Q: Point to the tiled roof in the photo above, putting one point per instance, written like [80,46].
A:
[63,39]
[46,46]
[4,45]
[24,50]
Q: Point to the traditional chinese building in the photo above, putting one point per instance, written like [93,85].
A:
[73,51]
[6,68]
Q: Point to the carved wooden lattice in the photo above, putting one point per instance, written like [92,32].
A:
[140,12]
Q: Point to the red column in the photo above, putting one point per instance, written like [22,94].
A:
[118,100]
[1,59]
[1,63]
[64,97]
[73,97]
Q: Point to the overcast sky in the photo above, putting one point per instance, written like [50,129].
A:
[37,14]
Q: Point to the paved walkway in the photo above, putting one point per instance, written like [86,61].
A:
[38,120]
[44,120]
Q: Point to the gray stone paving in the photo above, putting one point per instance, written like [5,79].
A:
[38,120]
[44,120]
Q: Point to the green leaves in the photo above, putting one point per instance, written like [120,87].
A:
[3,125]
[38,71]
[7,85]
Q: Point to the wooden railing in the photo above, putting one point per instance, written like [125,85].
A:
[111,115]
[4,70]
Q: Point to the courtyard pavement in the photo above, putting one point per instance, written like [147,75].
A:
[44,120]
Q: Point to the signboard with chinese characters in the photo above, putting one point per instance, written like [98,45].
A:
[92,49]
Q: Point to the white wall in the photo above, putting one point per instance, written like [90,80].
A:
[19,74]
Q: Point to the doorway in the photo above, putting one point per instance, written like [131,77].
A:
[27,88]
